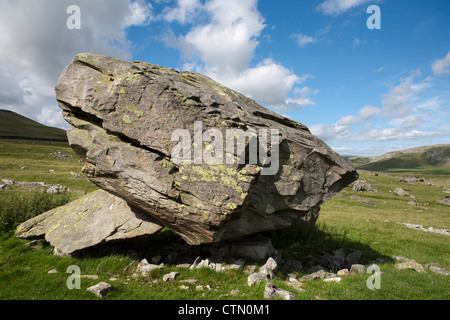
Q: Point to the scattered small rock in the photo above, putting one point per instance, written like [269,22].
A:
[357,269]
[190,281]
[356,198]
[445,201]
[402,192]
[156,260]
[291,265]
[318,274]
[411,264]
[100,289]
[340,254]
[430,229]
[33,242]
[272,291]
[362,185]
[170,276]
[343,273]
[52,271]
[144,267]
[234,292]
[332,279]
[439,270]
[53,190]
[89,276]
[353,257]
[400,258]
[269,268]
[296,285]
[60,154]
[255,277]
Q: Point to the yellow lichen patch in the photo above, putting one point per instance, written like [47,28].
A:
[126,119]
[135,110]
[122,91]
[232,206]
[81,215]
[187,77]
[105,79]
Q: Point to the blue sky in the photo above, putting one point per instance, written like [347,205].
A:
[363,91]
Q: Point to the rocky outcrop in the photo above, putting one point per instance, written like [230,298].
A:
[93,219]
[124,119]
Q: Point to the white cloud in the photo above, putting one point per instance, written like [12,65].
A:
[399,101]
[303,40]
[221,43]
[412,121]
[441,67]
[184,12]
[227,42]
[357,42]
[333,7]
[365,114]
[268,82]
[140,14]
[36,45]
[408,112]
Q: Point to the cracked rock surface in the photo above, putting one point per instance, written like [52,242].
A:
[122,116]
[96,218]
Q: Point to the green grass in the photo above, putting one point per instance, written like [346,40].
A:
[19,207]
[343,223]
[37,157]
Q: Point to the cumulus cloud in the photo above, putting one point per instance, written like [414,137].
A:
[36,45]
[407,113]
[221,43]
[333,7]
[399,102]
[303,40]
[365,114]
[441,67]
[185,11]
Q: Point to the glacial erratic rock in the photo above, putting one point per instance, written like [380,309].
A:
[123,119]
[96,218]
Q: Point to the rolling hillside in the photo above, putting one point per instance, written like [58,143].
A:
[428,159]
[15,126]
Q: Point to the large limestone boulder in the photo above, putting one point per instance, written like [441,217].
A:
[128,124]
[93,219]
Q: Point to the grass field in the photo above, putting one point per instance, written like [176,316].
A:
[376,231]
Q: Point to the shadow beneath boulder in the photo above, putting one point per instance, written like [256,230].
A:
[299,248]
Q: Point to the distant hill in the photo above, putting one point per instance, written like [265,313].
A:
[428,159]
[15,126]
